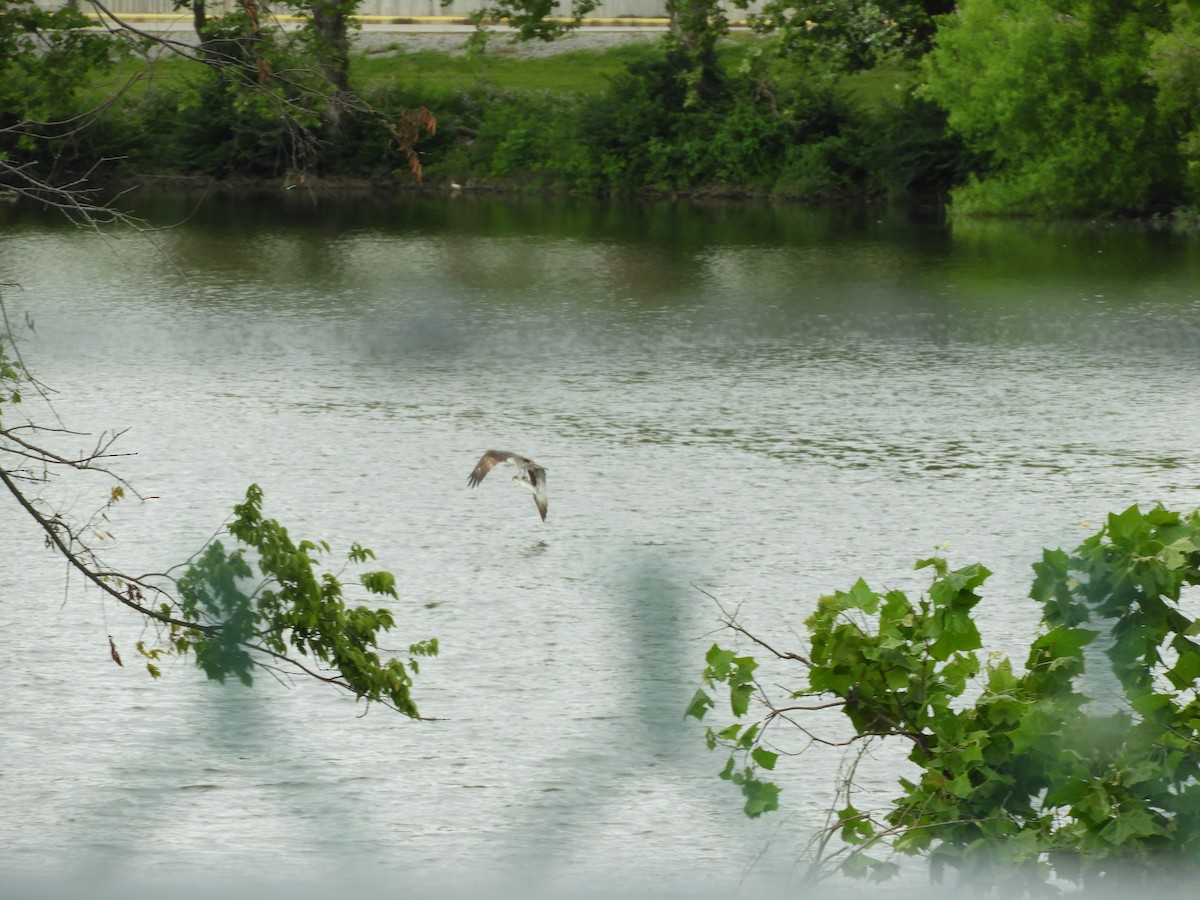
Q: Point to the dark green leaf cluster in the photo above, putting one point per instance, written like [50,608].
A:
[1045,771]
[291,610]
[901,676]
[45,57]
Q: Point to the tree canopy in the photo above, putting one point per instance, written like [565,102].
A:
[1014,107]
[1060,100]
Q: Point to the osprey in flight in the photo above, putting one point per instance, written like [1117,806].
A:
[529,474]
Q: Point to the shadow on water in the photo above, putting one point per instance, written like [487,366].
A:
[426,274]
[622,753]
[237,757]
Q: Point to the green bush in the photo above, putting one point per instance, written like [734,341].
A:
[907,151]
[1057,98]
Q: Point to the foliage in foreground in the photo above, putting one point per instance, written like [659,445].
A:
[264,605]
[1084,766]
[292,609]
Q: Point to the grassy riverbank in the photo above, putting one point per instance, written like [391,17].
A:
[933,109]
[608,120]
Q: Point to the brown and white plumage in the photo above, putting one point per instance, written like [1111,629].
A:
[529,473]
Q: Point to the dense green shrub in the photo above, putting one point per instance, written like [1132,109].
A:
[1058,98]
[211,129]
[907,151]
[643,133]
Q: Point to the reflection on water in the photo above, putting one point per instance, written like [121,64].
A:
[762,402]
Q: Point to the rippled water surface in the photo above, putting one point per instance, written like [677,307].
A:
[759,404]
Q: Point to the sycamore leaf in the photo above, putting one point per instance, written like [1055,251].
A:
[718,662]
[761,797]
[764,758]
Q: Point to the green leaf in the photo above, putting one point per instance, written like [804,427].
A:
[729,732]
[739,699]
[749,736]
[861,597]
[938,563]
[379,583]
[1068,792]
[764,758]
[761,797]
[896,678]
[1186,670]
[1150,703]
[719,662]
[1178,553]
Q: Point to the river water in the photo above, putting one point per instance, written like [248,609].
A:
[756,403]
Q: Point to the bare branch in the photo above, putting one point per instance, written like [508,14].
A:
[730,621]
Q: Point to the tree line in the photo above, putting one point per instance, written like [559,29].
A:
[1010,107]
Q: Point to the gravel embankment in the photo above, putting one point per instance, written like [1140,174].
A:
[378,41]
[446,38]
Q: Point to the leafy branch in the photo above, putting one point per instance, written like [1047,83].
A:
[292,617]
[1034,776]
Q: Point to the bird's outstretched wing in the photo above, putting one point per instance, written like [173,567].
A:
[537,481]
[486,463]
[531,475]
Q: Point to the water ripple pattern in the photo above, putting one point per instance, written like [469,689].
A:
[765,403]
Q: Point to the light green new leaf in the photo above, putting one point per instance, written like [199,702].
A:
[718,662]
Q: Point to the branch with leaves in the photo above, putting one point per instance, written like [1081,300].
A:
[264,605]
[1034,777]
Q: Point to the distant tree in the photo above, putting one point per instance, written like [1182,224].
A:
[697,26]
[288,91]
[245,34]
[1059,98]
[1175,70]
[833,34]
[822,36]
[45,59]
[531,20]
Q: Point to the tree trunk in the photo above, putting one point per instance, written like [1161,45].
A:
[199,18]
[329,21]
[696,26]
